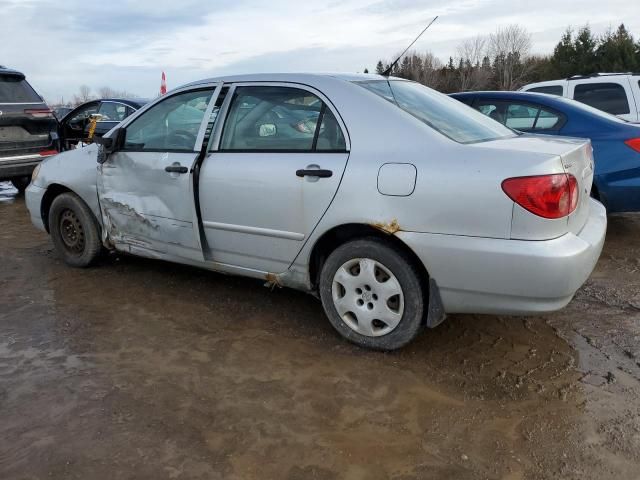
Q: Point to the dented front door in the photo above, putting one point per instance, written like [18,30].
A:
[146,188]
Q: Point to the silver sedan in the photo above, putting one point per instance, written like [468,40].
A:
[393,203]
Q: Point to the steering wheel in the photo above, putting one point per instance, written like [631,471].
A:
[181,139]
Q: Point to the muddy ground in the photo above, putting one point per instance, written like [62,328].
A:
[138,369]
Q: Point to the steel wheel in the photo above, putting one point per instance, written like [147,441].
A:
[71,232]
[368,297]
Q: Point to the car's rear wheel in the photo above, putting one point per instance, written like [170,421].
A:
[74,230]
[373,294]
[21,183]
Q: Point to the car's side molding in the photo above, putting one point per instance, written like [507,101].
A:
[266,232]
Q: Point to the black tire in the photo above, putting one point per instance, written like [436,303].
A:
[411,283]
[74,230]
[21,183]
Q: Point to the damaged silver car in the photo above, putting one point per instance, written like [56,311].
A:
[393,203]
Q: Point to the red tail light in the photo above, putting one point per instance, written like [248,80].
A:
[46,153]
[548,196]
[634,143]
[39,112]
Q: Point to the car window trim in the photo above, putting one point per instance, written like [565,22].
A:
[215,147]
[165,97]
[207,116]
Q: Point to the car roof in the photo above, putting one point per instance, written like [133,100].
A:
[292,77]
[503,94]
[9,71]
[134,101]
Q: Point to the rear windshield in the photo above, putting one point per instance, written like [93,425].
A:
[548,89]
[442,113]
[15,89]
[593,110]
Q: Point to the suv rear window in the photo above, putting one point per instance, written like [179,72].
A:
[15,89]
[609,97]
[549,89]
[442,113]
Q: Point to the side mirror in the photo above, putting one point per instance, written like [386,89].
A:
[108,145]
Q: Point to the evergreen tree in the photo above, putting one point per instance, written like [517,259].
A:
[564,54]
[585,52]
[380,68]
[617,52]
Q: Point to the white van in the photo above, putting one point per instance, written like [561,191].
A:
[615,93]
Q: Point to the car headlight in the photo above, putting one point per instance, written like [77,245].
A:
[34,174]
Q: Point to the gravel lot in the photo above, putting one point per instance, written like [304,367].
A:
[138,369]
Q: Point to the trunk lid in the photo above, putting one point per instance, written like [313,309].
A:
[579,163]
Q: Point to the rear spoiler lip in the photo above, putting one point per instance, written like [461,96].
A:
[11,73]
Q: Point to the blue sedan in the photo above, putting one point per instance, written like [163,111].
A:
[616,143]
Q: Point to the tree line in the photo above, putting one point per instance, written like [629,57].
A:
[503,60]
[85,94]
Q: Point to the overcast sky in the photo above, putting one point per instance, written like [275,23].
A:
[125,44]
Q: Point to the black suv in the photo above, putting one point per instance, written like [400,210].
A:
[28,129]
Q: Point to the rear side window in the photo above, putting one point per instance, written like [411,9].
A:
[549,89]
[442,113]
[521,116]
[609,97]
[266,118]
[15,89]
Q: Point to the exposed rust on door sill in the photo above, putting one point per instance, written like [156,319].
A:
[390,228]
[272,280]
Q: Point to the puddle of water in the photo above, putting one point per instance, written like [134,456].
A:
[7,192]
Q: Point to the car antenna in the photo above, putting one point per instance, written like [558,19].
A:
[387,72]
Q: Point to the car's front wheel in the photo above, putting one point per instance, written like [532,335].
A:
[373,294]
[74,230]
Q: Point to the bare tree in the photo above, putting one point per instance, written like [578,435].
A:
[508,48]
[431,66]
[472,74]
[108,92]
[83,95]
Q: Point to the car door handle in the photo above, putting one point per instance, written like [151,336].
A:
[313,172]
[176,169]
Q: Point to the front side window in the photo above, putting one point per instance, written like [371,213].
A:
[442,113]
[609,97]
[84,113]
[273,118]
[112,112]
[549,90]
[171,125]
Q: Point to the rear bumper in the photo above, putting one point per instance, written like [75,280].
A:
[18,166]
[33,199]
[514,277]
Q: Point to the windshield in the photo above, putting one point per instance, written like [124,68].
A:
[15,89]
[592,110]
[445,115]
